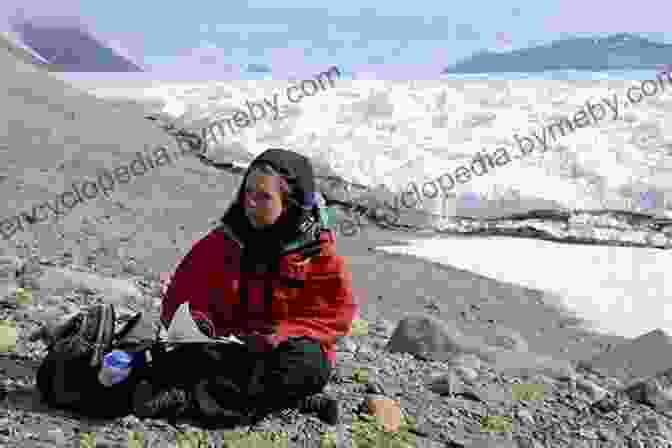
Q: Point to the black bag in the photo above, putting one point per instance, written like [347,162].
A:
[68,376]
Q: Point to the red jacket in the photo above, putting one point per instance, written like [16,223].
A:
[309,295]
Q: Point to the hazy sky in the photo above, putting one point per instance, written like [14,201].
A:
[172,35]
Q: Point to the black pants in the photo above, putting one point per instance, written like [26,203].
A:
[239,379]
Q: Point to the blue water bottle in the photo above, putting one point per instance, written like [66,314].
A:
[116,368]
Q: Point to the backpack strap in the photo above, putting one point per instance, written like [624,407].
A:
[104,334]
[128,326]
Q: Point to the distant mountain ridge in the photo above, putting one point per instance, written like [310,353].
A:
[258,68]
[12,43]
[69,48]
[622,51]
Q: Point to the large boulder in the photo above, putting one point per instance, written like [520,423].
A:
[642,357]
[655,391]
[429,338]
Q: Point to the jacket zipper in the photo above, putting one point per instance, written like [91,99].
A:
[268,288]
[311,245]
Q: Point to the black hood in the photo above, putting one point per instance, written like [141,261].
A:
[298,171]
[294,167]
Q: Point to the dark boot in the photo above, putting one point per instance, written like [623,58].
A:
[324,406]
[172,402]
[211,412]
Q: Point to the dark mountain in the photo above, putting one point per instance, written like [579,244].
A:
[258,68]
[621,51]
[12,44]
[72,49]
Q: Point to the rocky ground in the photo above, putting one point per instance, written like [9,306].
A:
[454,389]
[501,370]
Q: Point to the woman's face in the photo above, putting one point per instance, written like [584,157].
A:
[263,200]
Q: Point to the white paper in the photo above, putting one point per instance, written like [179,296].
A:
[183,329]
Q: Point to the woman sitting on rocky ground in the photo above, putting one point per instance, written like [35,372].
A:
[269,275]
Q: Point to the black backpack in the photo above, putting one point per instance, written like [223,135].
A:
[68,376]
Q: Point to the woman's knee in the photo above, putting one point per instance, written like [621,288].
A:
[303,366]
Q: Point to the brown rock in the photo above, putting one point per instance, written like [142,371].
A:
[386,410]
